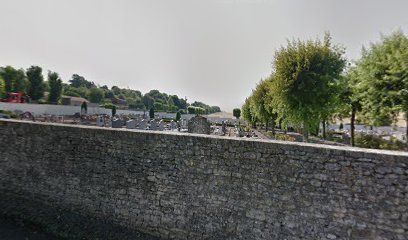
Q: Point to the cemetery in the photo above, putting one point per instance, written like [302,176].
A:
[116,183]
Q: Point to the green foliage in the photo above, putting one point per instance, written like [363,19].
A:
[382,74]
[196,110]
[113,110]
[108,105]
[304,83]
[75,92]
[78,81]
[36,84]
[373,141]
[236,112]
[14,79]
[2,88]
[178,116]
[284,137]
[8,75]
[10,113]
[96,95]
[207,109]
[151,113]
[84,107]
[246,111]
[55,87]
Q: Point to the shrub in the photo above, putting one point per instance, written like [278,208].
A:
[373,141]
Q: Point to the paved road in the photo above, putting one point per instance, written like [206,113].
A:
[12,231]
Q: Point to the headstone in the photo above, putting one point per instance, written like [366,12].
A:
[199,124]
[183,124]
[224,128]
[100,121]
[173,125]
[153,125]
[161,125]
[117,123]
[131,124]
[143,124]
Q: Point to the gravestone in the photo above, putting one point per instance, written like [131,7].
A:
[131,124]
[153,125]
[161,125]
[117,123]
[199,124]
[100,121]
[143,124]
[173,125]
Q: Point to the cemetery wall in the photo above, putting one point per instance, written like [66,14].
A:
[187,186]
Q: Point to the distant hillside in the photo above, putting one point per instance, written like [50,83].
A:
[133,99]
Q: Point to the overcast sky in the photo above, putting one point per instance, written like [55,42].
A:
[213,51]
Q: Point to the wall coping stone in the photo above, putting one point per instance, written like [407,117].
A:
[193,135]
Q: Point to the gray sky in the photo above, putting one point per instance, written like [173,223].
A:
[213,51]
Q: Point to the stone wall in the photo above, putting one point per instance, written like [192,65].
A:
[185,186]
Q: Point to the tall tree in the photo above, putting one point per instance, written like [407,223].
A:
[236,112]
[55,87]
[2,88]
[36,82]
[79,81]
[151,113]
[247,113]
[383,79]
[303,86]
[8,74]
[349,104]
[19,83]
[96,95]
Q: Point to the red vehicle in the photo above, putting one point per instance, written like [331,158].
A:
[14,97]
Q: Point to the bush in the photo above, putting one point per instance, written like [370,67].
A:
[108,105]
[10,113]
[373,141]
[284,137]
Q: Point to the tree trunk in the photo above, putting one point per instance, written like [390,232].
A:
[352,128]
[305,132]
[273,127]
[406,128]
[266,126]
[324,129]
[280,124]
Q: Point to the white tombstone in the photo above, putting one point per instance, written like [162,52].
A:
[100,121]
[131,124]
[143,124]
[173,125]
[161,125]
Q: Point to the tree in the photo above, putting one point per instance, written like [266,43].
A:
[382,74]
[151,113]
[2,88]
[8,74]
[236,112]
[113,110]
[36,85]
[79,81]
[96,95]
[349,103]
[304,82]
[19,83]
[247,113]
[55,86]
[260,104]
[178,116]
[148,101]
[84,107]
